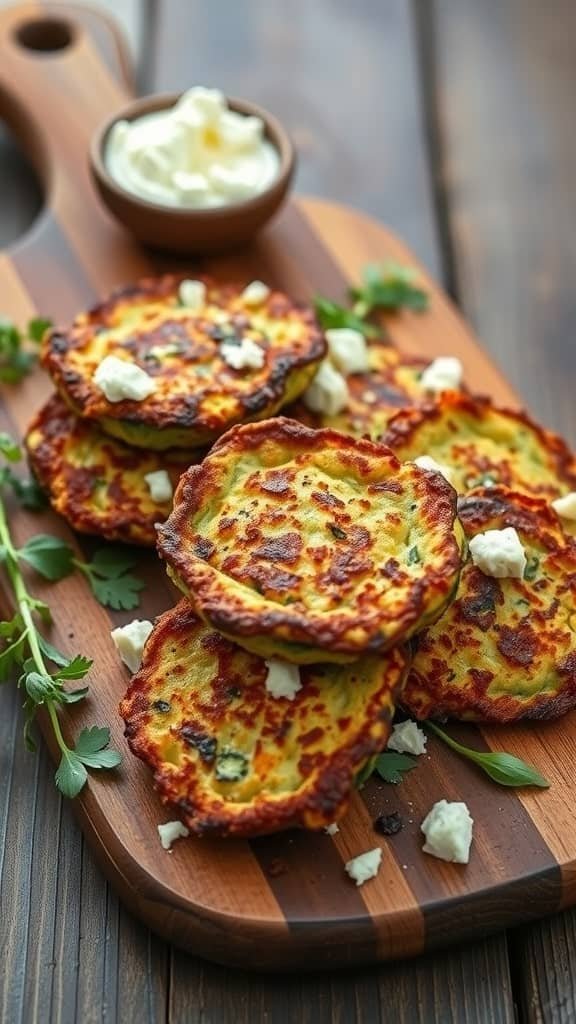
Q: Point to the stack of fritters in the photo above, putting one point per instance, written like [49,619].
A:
[294,547]
[93,453]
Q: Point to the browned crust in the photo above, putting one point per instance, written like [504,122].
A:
[472,616]
[53,430]
[405,423]
[325,788]
[207,589]
[185,410]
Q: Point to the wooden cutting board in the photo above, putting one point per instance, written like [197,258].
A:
[282,901]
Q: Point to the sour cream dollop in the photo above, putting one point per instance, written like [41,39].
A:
[198,154]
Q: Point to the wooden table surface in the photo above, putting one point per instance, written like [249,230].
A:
[451,120]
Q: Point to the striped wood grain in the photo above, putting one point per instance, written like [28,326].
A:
[228,899]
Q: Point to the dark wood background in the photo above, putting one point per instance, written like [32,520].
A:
[453,121]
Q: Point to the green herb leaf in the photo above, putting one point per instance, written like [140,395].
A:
[505,769]
[12,656]
[337,532]
[392,766]
[364,774]
[531,570]
[330,315]
[38,327]
[39,687]
[77,668]
[414,556]
[28,492]
[389,287]
[120,594]
[9,449]
[71,775]
[90,748]
[112,561]
[49,556]
[72,696]
[51,652]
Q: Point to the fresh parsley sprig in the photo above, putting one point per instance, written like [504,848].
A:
[107,573]
[390,766]
[386,288]
[27,491]
[16,356]
[503,768]
[25,648]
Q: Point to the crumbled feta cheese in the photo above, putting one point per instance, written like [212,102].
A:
[348,350]
[365,866]
[499,553]
[255,293]
[130,640]
[119,379]
[566,506]
[160,485]
[170,831]
[328,392]
[332,829]
[408,738]
[448,831]
[283,679]
[246,355]
[444,374]
[427,462]
[192,294]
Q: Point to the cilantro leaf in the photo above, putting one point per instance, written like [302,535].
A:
[388,287]
[110,562]
[51,652]
[392,766]
[37,328]
[15,362]
[28,492]
[12,656]
[49,556]
[72,696]
[90,748]
[77,668]
[330,314]
[120,594]
[71,775]
[9,449]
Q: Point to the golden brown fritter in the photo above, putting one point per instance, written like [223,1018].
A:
[96,482]
[484,445]
[392,382]
[312,545]
[506,648]
[198,394]
[232,759]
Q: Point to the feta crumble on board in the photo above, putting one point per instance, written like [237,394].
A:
[119,379]
[192,294]
[448,831]
[159,485]
[407,738]
[328,392]
[246,355]
[499,553]
[348,350]
[130,640]
[364,866]
[427,462]
[170,831]
[565,506]
[443,374]
[255,293]
[283,679]
[332,829]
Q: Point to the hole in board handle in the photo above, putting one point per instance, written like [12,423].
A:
[45,35]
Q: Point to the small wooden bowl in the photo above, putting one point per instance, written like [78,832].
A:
[184,230]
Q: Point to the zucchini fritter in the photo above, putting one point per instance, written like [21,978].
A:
[393,381]
[232,759]
[311,545]
[506,648]
[197,395]
[484,445]
[96,482]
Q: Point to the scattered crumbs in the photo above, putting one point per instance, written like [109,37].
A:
[70,636]
[405,867]
[332,829]
[388,824]
[277,867]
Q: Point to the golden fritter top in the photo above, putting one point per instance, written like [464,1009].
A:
[393,381]
[311,544]
[197,395]
[506,648]
[484,445]
[232,759]
[97,483]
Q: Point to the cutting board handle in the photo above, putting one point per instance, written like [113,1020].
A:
[63,70]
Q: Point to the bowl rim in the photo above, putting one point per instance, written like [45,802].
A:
[273,130]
